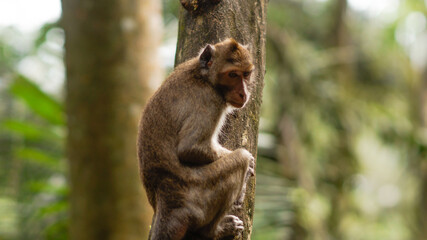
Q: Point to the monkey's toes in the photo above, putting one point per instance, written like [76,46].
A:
[251,162]
[251,168]
[238,204]
[251,171]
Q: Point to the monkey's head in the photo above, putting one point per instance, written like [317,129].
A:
[228,66]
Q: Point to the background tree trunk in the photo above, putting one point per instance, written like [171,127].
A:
[110,59]
[203,22]
[421,167]
[342,157]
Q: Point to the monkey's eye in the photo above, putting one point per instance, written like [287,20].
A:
[246,74]
[233,75]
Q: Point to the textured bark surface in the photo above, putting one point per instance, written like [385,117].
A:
[107,47]
[203,22]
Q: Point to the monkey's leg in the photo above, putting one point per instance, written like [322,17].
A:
[250,172]
[170,225]
[239,160]
[229,188]
[222,226]
[210,193]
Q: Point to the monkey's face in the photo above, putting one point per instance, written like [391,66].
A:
[234,72]
[228,65]
[234,83]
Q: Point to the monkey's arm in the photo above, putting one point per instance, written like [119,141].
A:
[194,151]
[195,145]
[225,166]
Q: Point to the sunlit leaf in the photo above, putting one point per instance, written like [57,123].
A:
[29,130]
[58,230]
[37,156]
[38,101]
[59,190]
[53,208]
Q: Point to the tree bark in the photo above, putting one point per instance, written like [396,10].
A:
[202,22]
[110,59]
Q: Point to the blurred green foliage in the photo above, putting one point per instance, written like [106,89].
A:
[342,102]
[33,188]
[37,101]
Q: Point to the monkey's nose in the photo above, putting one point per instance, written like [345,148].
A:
[243,97]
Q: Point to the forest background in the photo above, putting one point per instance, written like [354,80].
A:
[343,133]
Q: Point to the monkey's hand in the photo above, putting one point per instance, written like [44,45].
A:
[251,160]
[221,151]
[251,168]
[229,226]
[249,172]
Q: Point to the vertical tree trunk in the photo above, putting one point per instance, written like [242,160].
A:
[108,46]
[202,22]
[421,209]
[342,157]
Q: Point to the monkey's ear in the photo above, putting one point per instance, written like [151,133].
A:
[248,47]
[206,56]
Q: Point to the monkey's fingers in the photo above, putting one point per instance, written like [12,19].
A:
[251,171]
[252,162]
[233,224]
[230,226]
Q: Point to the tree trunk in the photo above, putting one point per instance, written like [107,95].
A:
[342,156]
[110,58]
[421,210]
[202,22]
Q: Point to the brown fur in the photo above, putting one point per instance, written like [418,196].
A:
[192,181]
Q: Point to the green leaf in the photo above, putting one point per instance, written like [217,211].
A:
[37,156]
[38,101]
[53,208]
[59,190]
[58,230]
[29,130]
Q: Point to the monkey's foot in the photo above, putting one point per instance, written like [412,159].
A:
[251,160]
[238,204]
[231,226]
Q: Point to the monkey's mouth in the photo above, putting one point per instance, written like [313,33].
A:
[237,104]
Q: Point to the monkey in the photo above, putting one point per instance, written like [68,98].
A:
[190,179]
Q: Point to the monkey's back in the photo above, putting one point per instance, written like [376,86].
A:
[162,119]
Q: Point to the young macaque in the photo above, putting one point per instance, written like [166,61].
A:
[190,179]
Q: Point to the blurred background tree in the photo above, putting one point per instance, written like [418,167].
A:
[110,57]
[343,141]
